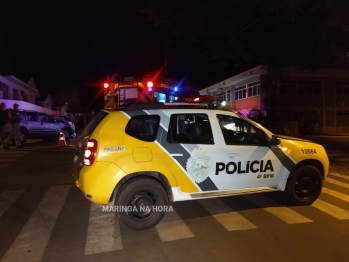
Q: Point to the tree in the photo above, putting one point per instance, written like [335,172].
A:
[305,33]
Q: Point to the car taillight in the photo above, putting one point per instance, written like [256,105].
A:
[197,99]
[90,152]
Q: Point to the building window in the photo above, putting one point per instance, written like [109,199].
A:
[14,94]
[221,96]
[300,88]
[240,92]
[253,89]
[342,89]
[228,95]
[4,91]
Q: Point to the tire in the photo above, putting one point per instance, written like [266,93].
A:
[304,185]
[135,194]
[23,135]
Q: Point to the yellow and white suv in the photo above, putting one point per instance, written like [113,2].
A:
[145,156]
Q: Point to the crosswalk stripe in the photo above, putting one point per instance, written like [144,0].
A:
[31,242]
[335,194]
[172,227]
[103,233]
[337,183]
[339,175]
[7,198]
[332,210]
[225,215]
[284,213]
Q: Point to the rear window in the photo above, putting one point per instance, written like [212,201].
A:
[144,127]
[93,123]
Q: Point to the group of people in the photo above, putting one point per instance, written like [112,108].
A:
[9,126]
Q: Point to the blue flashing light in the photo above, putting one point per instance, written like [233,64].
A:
[175,88]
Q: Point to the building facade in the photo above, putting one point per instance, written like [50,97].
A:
[26,95]
[320,97]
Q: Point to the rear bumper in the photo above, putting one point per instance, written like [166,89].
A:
[97,182]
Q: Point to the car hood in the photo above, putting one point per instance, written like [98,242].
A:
[292,138]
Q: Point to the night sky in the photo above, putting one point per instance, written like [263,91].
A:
[79,42]
[64,43]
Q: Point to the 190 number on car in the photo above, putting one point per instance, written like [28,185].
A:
[308,151]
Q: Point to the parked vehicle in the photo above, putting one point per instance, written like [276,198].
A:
[36,125]
[67,129]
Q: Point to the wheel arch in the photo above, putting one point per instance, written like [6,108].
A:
[310,162]
[157,176]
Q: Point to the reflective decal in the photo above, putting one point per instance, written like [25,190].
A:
[114,148]
[236,167]
[308,151]
[199,165]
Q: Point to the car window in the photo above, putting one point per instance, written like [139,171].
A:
[190,128]
[31,116]
[144,127]
[46,118]
[236,131]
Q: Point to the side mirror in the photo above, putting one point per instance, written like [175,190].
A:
[274,141]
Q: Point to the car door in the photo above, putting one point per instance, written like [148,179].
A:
[51,127]
[249,161]
[191,141]
[32,122]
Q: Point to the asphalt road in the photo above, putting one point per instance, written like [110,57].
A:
[43,217]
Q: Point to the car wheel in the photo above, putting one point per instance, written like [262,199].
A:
[23,135]
[141,203]
[304,185]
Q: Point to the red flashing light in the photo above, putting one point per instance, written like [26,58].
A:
[90,152]
[106,85]
[150,84]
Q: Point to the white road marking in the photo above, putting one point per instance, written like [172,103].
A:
[332,210]
[335,194]
[225,215]
[284,213]
[172,227]
[339,175]
[31,242]
[7,198]
[103,232]
[337,183]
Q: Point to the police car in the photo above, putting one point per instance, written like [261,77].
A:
[146,156]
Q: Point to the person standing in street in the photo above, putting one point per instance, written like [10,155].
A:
[4,121]
[15,118]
